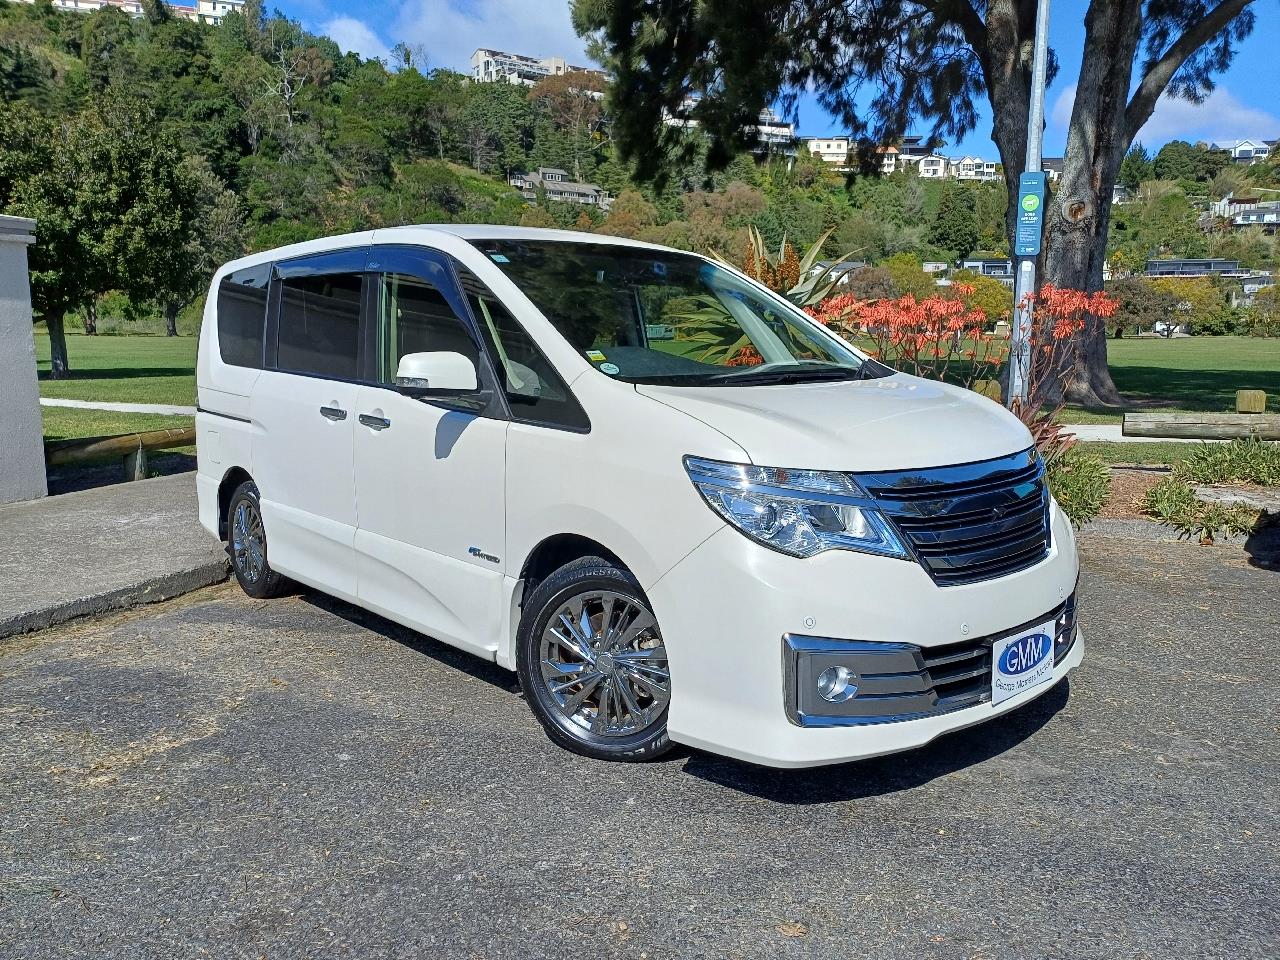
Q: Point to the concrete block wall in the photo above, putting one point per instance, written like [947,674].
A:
[21,432]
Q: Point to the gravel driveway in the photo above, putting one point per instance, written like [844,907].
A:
[222,777]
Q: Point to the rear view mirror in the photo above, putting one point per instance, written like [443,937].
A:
[436,374]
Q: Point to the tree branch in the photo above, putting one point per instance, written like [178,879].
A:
[1156,79]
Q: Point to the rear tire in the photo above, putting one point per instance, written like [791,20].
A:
[247,545]
[593,664]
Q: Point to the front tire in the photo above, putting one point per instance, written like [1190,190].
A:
[247,545]
[593,664]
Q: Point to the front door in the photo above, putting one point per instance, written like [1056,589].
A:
[304,407]
[430,481]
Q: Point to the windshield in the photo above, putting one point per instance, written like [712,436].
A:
[652,316]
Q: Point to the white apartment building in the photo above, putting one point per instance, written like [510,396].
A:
[498,66]
[558,185]
[776,134]
[830,149]
[972,168]
[132,7]
[206,11]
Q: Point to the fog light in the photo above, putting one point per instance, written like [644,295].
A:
[837,684]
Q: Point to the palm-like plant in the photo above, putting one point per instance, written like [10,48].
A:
[786,272]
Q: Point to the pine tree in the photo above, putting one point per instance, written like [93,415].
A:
[955,227]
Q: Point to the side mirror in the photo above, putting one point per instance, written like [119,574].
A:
[437,374]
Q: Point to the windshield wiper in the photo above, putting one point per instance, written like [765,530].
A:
[796,374]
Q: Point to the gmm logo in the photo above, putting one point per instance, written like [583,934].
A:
[1025,654]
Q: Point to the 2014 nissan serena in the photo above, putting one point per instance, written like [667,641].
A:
[678,507]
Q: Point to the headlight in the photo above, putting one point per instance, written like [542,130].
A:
[798,512]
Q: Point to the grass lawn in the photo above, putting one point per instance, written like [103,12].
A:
[1141,454]
[122,369]
[1188,374]
[68,423]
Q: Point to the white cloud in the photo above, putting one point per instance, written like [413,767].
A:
[1221,117]
[1060,112]
[354,36]
[451,30]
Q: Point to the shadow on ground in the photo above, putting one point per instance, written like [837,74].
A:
[833,784]
[117,373]
[69,479]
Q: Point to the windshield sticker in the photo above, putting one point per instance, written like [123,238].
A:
[595,356]
[498,258]
[660,331]
[609,368]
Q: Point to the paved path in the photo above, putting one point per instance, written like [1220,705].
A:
[224,777]
[1111,433]
[165,408]
[102,549]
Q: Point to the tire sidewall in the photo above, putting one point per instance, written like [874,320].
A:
[546,599]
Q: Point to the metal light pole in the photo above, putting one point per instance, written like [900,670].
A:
[1030,222]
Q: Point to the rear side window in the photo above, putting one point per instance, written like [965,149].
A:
[535,391]
[242,314]
[320,325]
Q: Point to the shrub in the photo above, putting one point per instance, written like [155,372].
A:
[1240,461]
[1080,483]
[1173,502]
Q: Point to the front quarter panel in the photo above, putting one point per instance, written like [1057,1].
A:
[622,484]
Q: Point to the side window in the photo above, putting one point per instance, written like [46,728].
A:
[414,317]
[320,325]
[535,391]
[242,314]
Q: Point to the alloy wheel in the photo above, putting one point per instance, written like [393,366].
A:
[248,541]
[604,664]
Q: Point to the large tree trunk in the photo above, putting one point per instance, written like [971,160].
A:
[170,318]
[1080,212]
[59,368]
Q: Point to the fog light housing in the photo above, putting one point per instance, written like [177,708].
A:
[837,684]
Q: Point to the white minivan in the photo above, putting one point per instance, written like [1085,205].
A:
[678,507]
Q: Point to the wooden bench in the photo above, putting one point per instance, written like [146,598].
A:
[1202,426]
[130,448]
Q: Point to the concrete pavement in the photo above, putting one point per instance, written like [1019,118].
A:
[163,408]
[294,778]
[102,549]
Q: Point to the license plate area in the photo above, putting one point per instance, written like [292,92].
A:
[1021,661]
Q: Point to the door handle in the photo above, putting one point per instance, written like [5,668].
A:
[377,423]
[333,413]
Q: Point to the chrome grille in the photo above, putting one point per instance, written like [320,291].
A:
[971,522]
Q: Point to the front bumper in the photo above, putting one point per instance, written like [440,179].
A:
[726,608]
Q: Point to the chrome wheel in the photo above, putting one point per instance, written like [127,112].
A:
[248,541]
[604,664]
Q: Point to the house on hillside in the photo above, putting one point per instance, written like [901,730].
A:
[560,186]
[1247,151]
[973,168]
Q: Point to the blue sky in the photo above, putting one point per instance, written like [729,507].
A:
[1245,104]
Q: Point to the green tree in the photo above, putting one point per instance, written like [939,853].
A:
[909,276]
[928,64]
[1190,163]
[1141,304]
[1198,302]
[955,227]
[114,205]
[1136,168]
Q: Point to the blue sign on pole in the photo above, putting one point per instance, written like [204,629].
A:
[1030,224]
